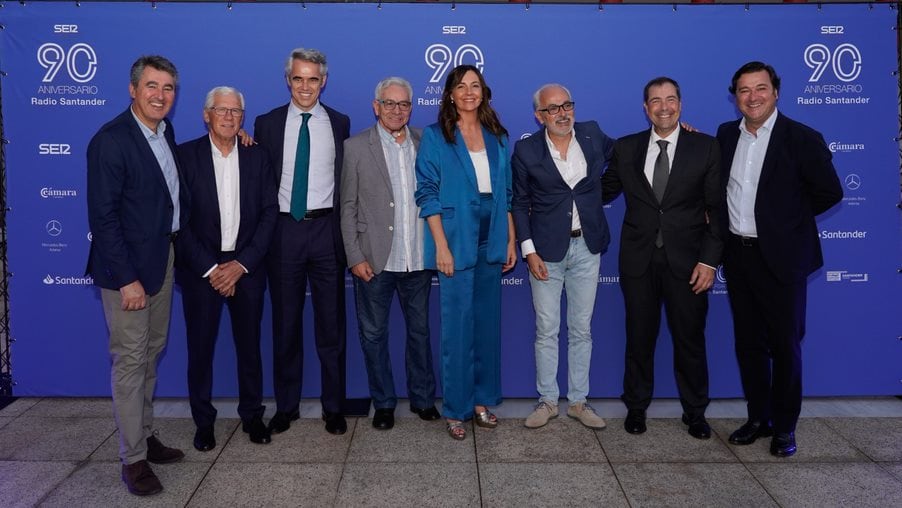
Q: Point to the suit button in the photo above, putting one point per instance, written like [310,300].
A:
[569,214]
[661,212]
[391,204]
[391,228]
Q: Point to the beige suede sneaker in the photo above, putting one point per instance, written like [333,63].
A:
[586,415]
[540,416]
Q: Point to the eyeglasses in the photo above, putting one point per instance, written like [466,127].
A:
[553,109]
[223,111]
[391,105]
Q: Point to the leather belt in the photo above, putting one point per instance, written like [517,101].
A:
[576,233]
[745,241]
[311,214]
[172,236]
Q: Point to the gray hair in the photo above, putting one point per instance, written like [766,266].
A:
[222,90]
[307,55]
[546,86]
[157,62]
[393,80]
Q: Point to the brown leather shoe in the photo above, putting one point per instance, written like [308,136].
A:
[140,479]
[158,453]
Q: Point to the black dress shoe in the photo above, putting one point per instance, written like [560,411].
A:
[158,453]
[204,440]
[750,431]
[635,421]
[783,444]
[698,427]
[430,413]
[140,479]
[384,419]
[281,422]
[258,432]
[335,423]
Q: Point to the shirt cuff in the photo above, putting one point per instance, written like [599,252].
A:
[527,247]
[208,272]
[709,266]
[242,266]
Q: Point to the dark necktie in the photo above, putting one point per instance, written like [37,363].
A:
[659,181]
[301,169]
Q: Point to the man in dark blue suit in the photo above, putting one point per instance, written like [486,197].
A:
[562,230]
[670,246]
[304,140]
[220,259]
[136,205]
[777,175]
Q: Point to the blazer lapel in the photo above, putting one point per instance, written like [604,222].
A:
[147,153]
[547,159]
[639,169]
[460,148]
[208,182]
[379,157]
[773,149]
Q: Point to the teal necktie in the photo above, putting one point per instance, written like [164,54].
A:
[301,168]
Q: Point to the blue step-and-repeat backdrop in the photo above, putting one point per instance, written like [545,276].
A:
[66,73]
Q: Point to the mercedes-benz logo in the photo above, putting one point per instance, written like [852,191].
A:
[54,228]
[853,182]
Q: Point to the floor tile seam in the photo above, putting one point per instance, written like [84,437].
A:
[199,483]
[224,445]
[613,471]
[409,461]
[81,464]
[883,467]
[675,462]
[344,465]
[759,482]
[847,440]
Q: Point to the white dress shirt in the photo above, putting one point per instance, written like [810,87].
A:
[321,176]
[228,191]
[483,172]
[742,187]
[651,154]
[406,254]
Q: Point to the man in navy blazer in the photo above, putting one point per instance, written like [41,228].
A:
[137,203]
[221,254]
[304,140]
[777,175]
[562,230]
[670,247]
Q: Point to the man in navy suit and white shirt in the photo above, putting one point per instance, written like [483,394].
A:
[669,250]
[304,140]
[562,230]
[777,175]
[220,260]
[136,206]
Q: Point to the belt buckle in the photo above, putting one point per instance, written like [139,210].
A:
[747,241]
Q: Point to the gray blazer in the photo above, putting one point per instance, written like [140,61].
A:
[367,212]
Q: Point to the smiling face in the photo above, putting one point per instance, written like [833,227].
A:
[663,108]
[467,95]
[396,118]
[756,98]
[224,127]
[306,82]
[153,96]
[561,123]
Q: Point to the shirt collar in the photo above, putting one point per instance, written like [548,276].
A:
[218,153]
[387,137]
[553,149]
[767,126]
[317,110]
[161,127]
[671,138]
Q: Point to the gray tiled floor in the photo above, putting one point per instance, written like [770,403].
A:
[63,452]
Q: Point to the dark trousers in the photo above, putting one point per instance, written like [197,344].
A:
[686,314]
[373,307]
[769,323]
[202,306]
[302,252]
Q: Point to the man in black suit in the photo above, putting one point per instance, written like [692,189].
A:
[136,205]
[669,251]
[220,260]
[777,175]
[304,140]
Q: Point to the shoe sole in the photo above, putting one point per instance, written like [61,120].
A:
[586,425]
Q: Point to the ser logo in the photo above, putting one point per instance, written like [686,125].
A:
[80,61]
[65,29]
[454,30]
[844,61]
[54,149]
[440,58]
[833,30]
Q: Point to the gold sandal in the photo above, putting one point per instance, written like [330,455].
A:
[486,419]
[457,430]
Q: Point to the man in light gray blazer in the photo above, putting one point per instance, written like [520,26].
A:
[383,239]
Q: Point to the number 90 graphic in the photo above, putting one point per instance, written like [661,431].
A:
[439,57]
[80,61]
[845,61]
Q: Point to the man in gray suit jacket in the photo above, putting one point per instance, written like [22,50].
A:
[383,239]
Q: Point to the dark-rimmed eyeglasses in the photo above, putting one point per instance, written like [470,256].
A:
[553,109]
[392,105]
[223,111]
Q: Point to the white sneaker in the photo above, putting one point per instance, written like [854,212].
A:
[540,416]
[586,415]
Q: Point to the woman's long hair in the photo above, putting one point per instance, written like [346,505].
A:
[447,112]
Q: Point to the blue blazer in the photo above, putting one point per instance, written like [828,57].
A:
[129,206]
[543,202]
[446,185]
[199,244]
[798,182]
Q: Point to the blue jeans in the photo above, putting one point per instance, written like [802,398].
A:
[578,274]
[373,306]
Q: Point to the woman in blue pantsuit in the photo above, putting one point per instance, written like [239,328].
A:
[464,193]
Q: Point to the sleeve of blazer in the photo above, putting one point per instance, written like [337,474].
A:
[818,173]
[506,169]
[712,242]
[106,181]
[429,174]
[348,207]
[252,254]
[192,252]
[522,198]
[611,186]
